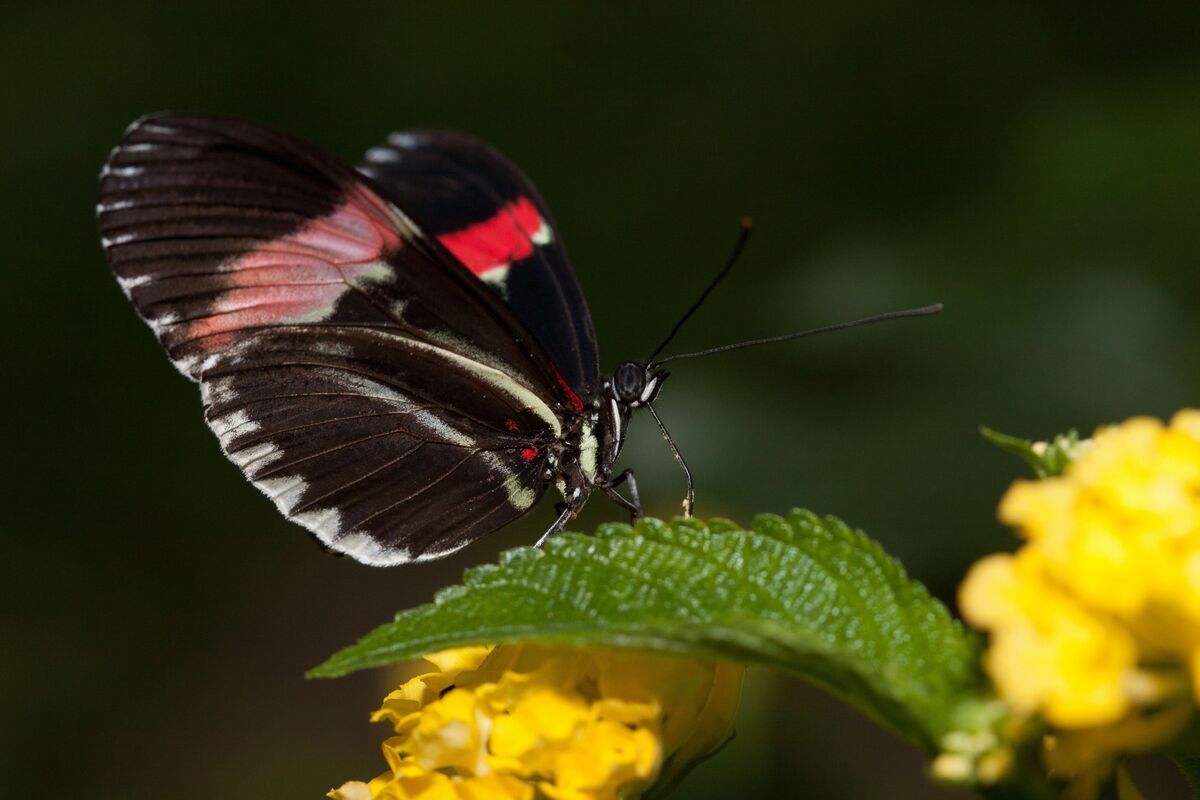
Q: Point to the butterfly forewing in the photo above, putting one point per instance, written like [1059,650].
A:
[484,210]
[354,370]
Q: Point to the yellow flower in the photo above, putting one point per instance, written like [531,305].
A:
[522,722]
[1095,622]
[1048,654]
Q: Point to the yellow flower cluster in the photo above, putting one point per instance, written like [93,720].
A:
[1095,622]
[521,722]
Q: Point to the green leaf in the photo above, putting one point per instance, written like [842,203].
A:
[1046,459]
[800,593]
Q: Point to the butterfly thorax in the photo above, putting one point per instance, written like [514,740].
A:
[582,459]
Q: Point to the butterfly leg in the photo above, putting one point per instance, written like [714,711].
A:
[558,525]
[634,506]
[689,499]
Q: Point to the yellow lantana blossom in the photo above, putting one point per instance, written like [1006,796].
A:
[524,722]
[1095,622]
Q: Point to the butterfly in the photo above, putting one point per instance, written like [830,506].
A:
[399,356]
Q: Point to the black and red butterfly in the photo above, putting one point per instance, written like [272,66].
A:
[400,356]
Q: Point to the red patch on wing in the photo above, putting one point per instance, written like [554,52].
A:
[511,424]
[498,241]
[300,276]
[573,400]
[529,454]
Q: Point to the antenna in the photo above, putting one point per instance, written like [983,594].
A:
[743,237]
[908,312]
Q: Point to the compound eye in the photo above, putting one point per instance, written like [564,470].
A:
[629,381]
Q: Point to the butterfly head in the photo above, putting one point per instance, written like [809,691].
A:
[637,384]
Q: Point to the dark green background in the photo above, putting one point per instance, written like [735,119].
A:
[1036,167]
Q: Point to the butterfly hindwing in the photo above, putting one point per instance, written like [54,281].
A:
[484,210]
[373,466]
[358,374]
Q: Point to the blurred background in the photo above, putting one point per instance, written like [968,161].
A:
[1034,166]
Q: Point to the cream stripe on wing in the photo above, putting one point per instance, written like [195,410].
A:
[502,382]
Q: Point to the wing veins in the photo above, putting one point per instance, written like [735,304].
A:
[277,468]
[417,493]
[275,432]
[224,290]
[494,509]
[307,504]
[406,390]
